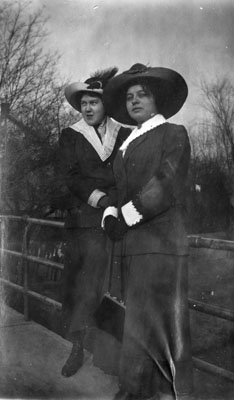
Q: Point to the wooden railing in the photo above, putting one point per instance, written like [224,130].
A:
[194,241]
[26,258]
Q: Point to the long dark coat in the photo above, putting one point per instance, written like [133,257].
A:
[82,171]
[151,176]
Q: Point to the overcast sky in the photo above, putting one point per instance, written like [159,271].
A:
[194,37]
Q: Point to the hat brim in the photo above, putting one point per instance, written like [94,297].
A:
[169,87]
[74,92]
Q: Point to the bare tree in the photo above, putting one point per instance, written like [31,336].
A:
[218,101]
[33,94]
[24,69]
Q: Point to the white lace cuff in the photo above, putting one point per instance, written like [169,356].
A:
[94,198]
[130,214]
[109,211]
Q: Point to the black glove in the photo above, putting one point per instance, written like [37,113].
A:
[115,228]
[104,202]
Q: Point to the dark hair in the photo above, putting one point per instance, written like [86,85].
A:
[147,86]
[81,94]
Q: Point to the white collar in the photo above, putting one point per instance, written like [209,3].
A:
[104,149]
[145,127]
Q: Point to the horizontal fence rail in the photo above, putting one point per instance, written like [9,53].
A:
[26,258]
[213,369]
[195,241]
[44,222]
[35,259]
[211,310]
[210,243]
[33,294]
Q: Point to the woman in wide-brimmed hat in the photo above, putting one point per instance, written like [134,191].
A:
[87,151]
[151,169]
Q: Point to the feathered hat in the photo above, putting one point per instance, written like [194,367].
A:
[168,85]
[95,85]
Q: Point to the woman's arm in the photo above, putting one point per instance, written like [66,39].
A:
[166,187]
[88,180]
[163,190]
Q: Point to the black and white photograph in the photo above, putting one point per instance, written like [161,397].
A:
[117,199]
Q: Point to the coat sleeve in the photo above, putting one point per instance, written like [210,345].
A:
[94,180]
[166,186]
[84,186]
[90,182]
[63,198]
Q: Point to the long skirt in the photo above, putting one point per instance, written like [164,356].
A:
[86,258]
[156,352]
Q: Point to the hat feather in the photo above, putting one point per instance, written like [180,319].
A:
[103,75]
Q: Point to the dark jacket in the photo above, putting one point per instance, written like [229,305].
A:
[152,174]
[82,171]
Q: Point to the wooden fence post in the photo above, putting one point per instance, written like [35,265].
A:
[25,264]
[2,228]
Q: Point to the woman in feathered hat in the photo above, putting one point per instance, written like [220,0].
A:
[150,169]
[87,151]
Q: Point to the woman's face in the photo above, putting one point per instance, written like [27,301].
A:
[140,104]
[92,109]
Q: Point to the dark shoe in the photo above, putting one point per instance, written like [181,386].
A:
[74,361]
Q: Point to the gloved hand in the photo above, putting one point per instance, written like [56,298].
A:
[104,202]
[115,228]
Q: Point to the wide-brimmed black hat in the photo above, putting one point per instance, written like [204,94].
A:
[93,85]
[169,87]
